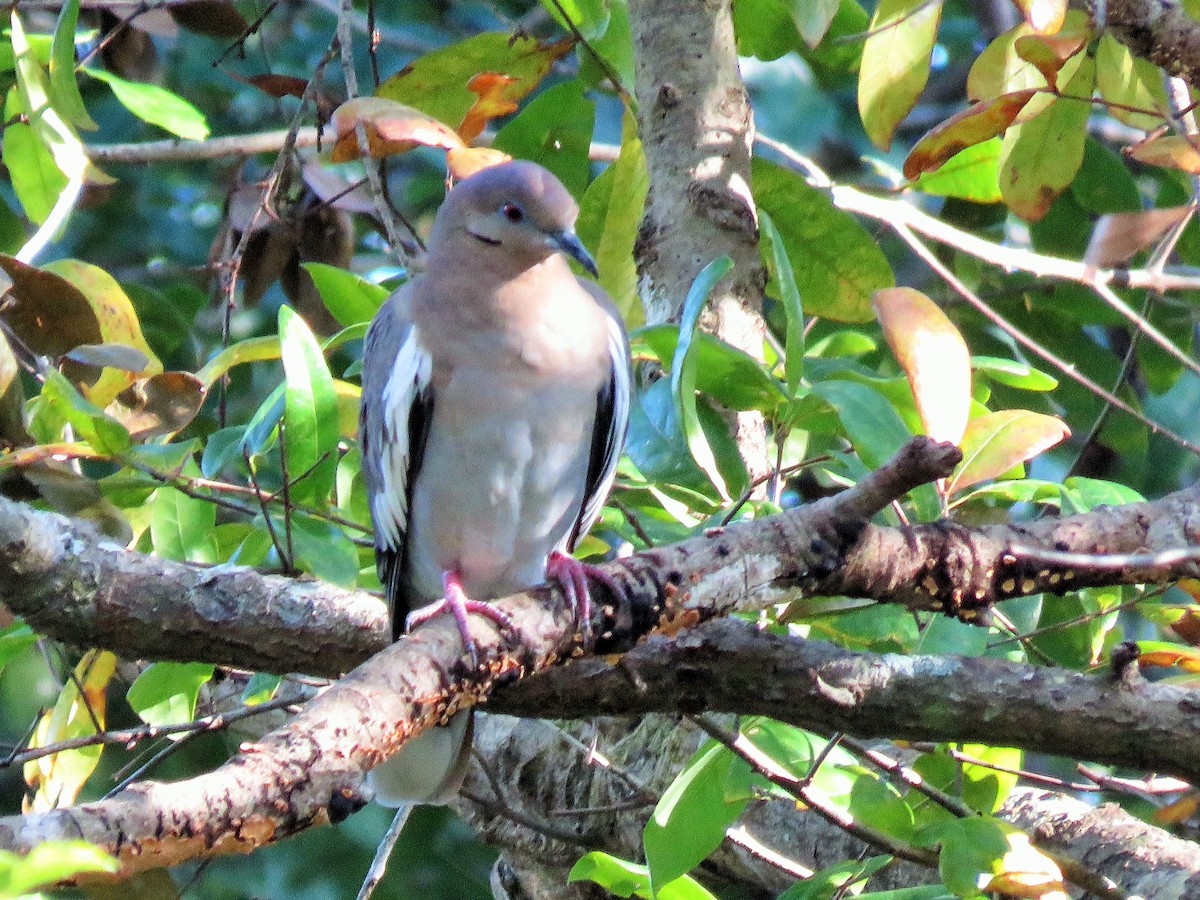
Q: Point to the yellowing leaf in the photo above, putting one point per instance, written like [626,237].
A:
[994,443]
[80,710]
[390,127]
[1169,151]
[60,452]
[1039,158]
[973,125]
[118,324]
[1024,871]
[999,70]
[1155,653]
[1043,16]
[895,64]
[934,358]
[463,162]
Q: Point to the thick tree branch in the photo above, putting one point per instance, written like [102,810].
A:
[732,666]
[1146,861]
[308,772]
[1160,31]
[76,587]
[71,584]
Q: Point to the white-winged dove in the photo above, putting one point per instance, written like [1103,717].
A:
[494,406]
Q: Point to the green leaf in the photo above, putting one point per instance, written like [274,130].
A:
[731,376]
[181,527]
[836,262]
[813,18]
[873,426]
[692,816]
[617,876]
[60,403]
[14,639]
[837,880]
[764,29]
[322,549]
[64,85]
[895,64]
[1104,183]
[683,370]
[260,430]
[972,850]
[310,416]
[614,47]
[254,349]
[1039,158]
[971,174]
[555,130]
[1126,80]
[1088,493]
[1014,374]
[781,271]
[623,878]
[36,180]
[156,105]
[49,863]
[609,216]
[349,298]
[260,688]
[57,135]
[222,448]
[165,692]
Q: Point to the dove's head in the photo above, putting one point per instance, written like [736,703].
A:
[518,212]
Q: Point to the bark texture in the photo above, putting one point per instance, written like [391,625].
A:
[696,126]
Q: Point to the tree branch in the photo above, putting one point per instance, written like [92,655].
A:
[308,772]
[1158,30]
[731,666]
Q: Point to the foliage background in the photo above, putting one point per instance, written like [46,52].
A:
[164,232]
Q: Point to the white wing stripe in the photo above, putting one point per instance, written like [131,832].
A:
[410,375]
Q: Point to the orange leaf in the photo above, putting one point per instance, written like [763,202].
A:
[973,125]
[1186,658]
[391,127]
[464,162]
[1180,810]
[492,89]
[1170,151]
[1050,52]
[933,356]
[994,443]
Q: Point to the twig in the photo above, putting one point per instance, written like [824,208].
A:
[128,737]
[384,852]
[896,212]
[780,777]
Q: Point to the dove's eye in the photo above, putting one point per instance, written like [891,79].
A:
[512,212]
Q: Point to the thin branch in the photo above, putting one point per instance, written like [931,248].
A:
[817,802]
[383,853]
